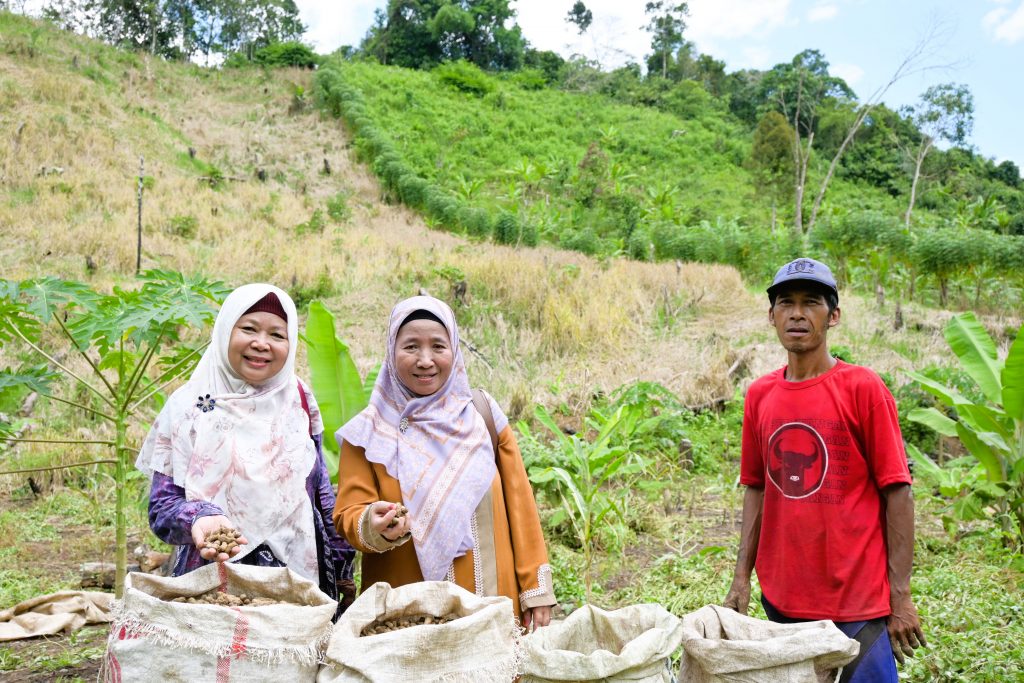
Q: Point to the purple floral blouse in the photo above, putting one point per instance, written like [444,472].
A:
[171,518]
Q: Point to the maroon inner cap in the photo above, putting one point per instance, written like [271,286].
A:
[269,304]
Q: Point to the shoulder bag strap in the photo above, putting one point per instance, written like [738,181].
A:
[305,406]
[483,407]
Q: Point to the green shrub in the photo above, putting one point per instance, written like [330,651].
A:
[528,233]
[338,208]
[442,207]
[475,221]
[506,229]
[287,54]
[638,246]
[315,224]
[412,190]
[322,288]
[529,79]
[465,76]
[585,241]
[185,226]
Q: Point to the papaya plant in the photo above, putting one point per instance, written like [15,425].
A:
[131,342]
[992,429]
[338,388]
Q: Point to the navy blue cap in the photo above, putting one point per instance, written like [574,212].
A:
[804,270]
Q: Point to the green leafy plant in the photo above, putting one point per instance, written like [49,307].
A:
[121,337]
[590,468]
[992,429]
[315,224]
[185,225]
[340,391]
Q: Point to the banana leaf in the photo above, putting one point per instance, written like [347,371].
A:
[1013,379]
[977,353]
[336,383]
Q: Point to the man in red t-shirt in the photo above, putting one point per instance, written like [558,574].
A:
[828,516]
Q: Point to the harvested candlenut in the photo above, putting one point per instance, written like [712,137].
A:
[399,623]
[217,597]
[223,540]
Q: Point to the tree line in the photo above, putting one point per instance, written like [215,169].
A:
[181,29]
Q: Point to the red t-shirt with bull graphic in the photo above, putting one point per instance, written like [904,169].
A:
[823,449]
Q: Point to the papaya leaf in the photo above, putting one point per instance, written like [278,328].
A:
[44,295]
[14,318]
[977,353]
[36,378]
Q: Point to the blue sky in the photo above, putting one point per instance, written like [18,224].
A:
[980,42]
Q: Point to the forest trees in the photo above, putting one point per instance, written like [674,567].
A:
[181,29]
[666,27]
[420,34]
[580,17]
[943,112]
[798,90]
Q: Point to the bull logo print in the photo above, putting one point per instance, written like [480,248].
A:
[797,460]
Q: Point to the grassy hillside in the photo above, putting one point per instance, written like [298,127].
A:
[581,169]
[550,326]
[498,157]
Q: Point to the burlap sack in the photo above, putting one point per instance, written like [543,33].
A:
[482,646]
[634,643]
[152,639]
[50,614]
[720,645]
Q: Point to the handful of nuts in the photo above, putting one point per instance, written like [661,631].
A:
[400,511]
[377,627]
[223,540]
[216,597]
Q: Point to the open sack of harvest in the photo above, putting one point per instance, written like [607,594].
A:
[634,643]
[482,645]
[152,637]
[720,645]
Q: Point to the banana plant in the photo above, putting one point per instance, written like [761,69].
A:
[339,390]
[991,430]
[131,342]
[590,468]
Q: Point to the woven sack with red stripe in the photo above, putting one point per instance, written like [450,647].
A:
[155,639]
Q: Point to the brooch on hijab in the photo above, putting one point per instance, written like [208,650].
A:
[403,424]
[205,403]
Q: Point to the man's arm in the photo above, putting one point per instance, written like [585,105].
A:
[904,625]
[738,598]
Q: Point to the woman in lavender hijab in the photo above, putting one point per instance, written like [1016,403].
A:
[239,446]
[421,443]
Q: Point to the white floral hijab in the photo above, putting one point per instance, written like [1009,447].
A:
[244,448]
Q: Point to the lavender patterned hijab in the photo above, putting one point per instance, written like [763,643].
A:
[443,459]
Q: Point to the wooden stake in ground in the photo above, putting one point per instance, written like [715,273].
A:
[138,250]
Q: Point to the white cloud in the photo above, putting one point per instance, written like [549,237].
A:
[331,24]
[851,73]
[822,12]
[755,58]
[711,19]
[1005,25]
[614,38]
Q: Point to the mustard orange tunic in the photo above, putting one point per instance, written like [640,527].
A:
[508,558]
